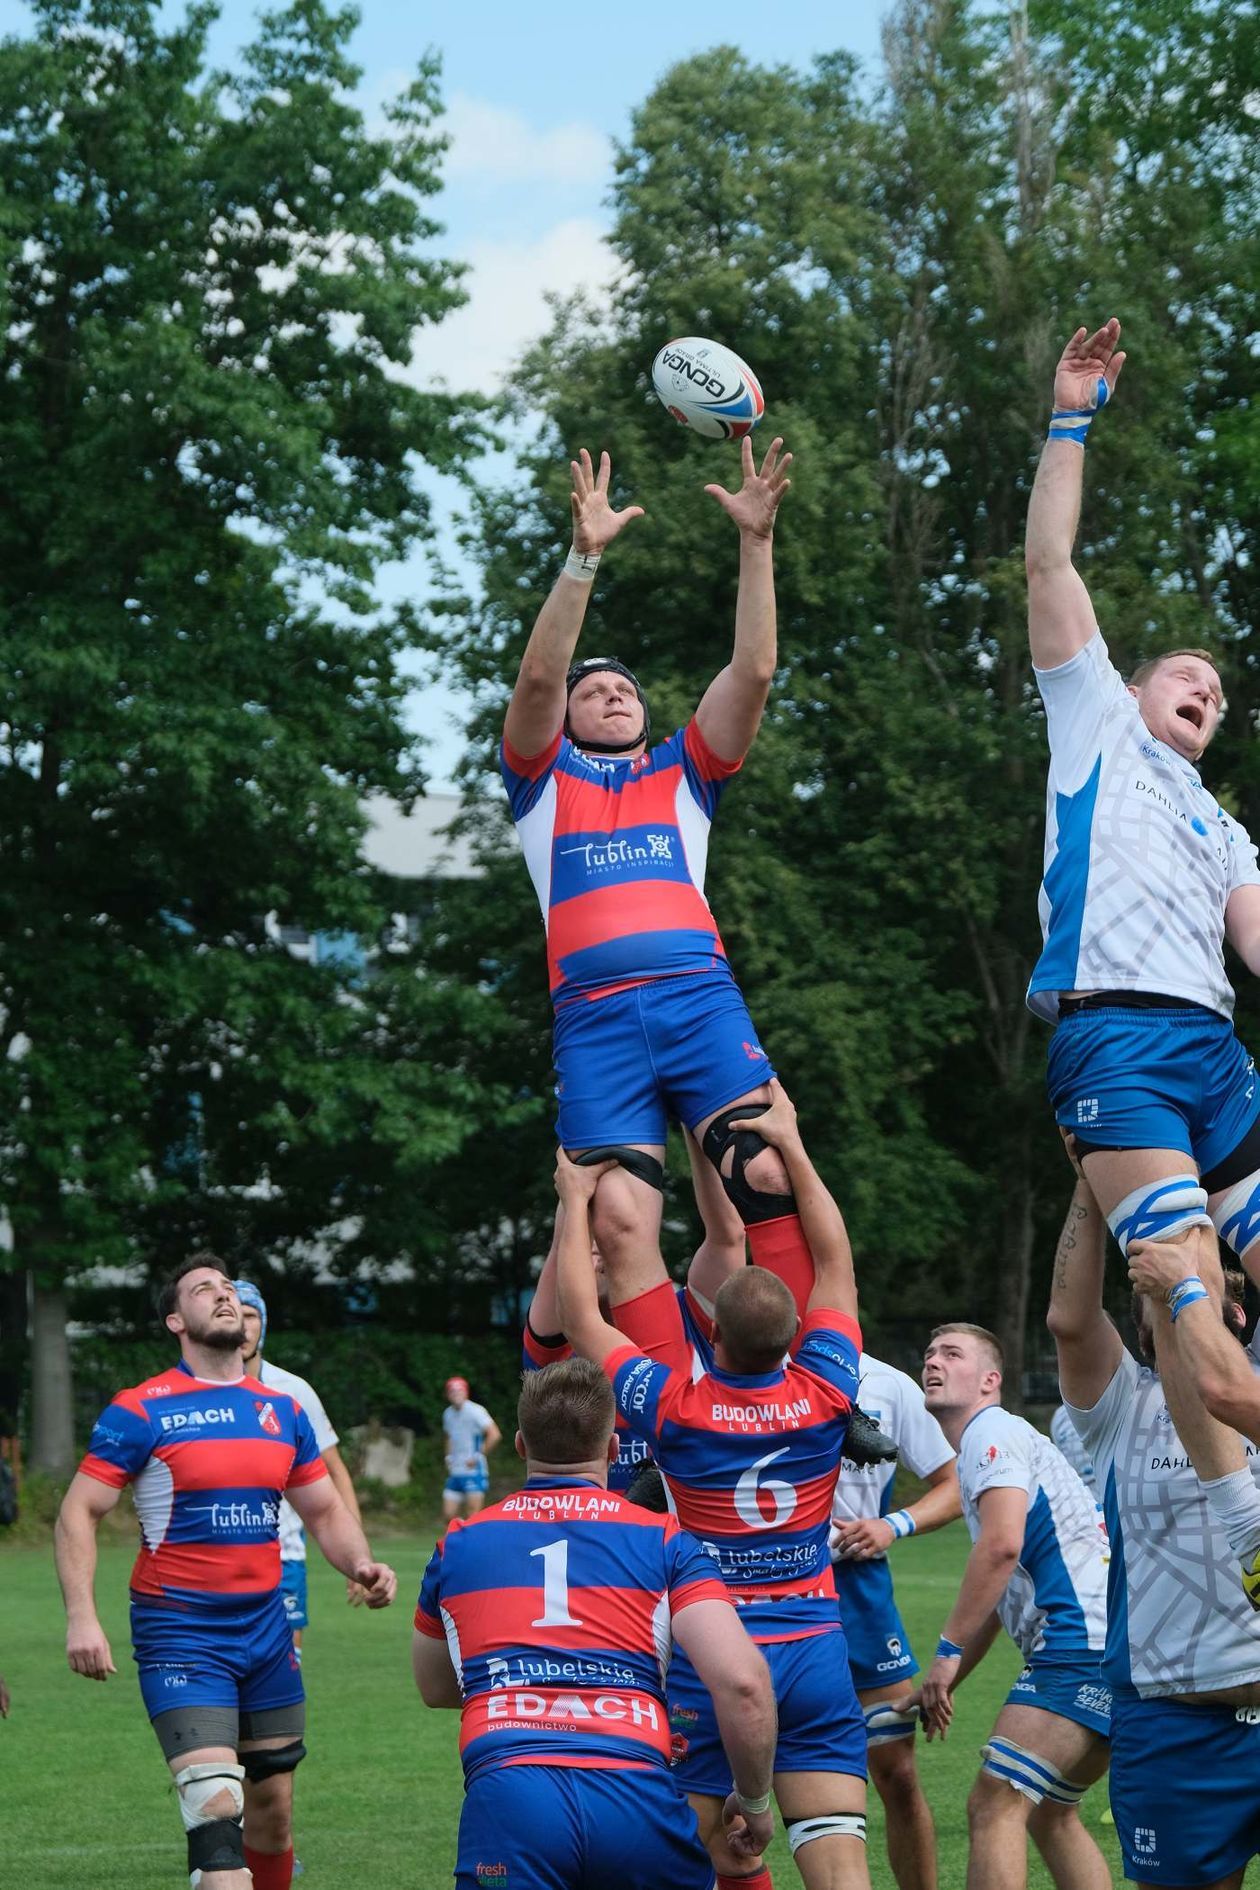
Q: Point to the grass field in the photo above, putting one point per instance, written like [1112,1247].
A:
[87,1806]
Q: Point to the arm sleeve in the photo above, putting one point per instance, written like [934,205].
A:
[308,1465]
[121,1443]
[643,1390]
[428,1616]
[996,1456]
[535,1353]
[707,774]
[690,1571]
[1099,1425]
[1242,856]
[1079,696]
[525,776]
[829,1346]
[313,1405]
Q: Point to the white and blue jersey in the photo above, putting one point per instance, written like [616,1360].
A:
[466,1430]
[1140,858]
[1067,1439]
[1179,1622]
[1054,1607]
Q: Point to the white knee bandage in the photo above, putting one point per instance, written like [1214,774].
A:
[215,1838]
[842,1824]
[1160,1210]
[1027,1772]
[886,1722]
[1237,1215]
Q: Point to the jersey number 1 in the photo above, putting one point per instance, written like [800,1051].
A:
[555,1561]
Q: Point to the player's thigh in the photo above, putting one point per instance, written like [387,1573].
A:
[1077,1752]
[626,1227]
[641,1833]
[1125,1079]
[1116,1173]
[705,1048]
[520,1827]
[271,1683]
[880,1655]
[607,1087]
[822,1729]
[191,1669]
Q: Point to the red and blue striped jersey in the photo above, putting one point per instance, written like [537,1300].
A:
[556,1605]
[632,1450]
[617,850]
[209,1462]
[750,1463]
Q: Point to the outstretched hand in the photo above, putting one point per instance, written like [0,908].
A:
[754,506]
[595,524]
[1085,361]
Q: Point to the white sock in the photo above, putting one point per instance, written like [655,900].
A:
[1235,1503]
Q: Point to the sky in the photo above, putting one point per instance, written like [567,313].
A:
[534,96]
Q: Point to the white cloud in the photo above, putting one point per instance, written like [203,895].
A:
[490,142]
[507,286]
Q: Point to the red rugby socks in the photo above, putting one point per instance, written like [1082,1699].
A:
[781,1248]
[272,1870]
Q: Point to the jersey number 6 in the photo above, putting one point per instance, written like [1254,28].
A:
[749,1491]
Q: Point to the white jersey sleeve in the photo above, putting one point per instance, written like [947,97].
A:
[1079,696]
[1066,1438]
[292,1534]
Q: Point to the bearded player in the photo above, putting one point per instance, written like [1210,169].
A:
[649,1020]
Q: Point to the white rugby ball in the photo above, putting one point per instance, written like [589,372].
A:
[708,388]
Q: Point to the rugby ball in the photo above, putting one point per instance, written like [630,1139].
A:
[708,388]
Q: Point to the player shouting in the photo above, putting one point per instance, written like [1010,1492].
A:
[1146,875]
[649,1020]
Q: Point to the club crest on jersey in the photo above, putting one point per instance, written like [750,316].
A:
[267,1419]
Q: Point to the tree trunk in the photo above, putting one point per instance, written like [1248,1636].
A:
[1012,1298]
[13,1350]
[52,1402]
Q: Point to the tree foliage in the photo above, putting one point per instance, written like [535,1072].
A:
[211,286]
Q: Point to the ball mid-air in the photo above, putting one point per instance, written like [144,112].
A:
[708,388]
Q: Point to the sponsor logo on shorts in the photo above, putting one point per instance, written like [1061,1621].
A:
[679,1747]
[1087,1109]
[753,1051]
[1093,1699]
[684,1716]
[1248,1716]
[1144,1840]
[491,1873]
[174,1679]
[194,1420]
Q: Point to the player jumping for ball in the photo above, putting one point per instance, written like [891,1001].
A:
[649,1020]
[1146,875]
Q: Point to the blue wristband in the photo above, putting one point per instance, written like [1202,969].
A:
[1073,423]
[1184,1294]
[948,1650]
[901,1522]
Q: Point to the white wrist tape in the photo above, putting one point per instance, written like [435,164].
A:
[581,565]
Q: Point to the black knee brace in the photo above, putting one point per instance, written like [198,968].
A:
[721,1134]
[270,1761]
[633,1160]
[219,1845]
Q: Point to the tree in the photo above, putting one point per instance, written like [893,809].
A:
[212,284]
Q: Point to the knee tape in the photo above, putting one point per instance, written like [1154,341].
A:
[214,1842]
[268,1761]
[1160,1210]
[886,1722]
[634,1160]
[722,1134]
[1027,1772]
[850,1824]
[1237,1215]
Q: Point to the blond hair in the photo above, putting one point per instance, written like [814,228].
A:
[989,1340]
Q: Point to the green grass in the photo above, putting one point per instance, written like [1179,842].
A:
[87,1805]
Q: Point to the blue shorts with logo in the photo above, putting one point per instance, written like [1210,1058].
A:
[681,1046]
[242,1659]
[1074,1689]
[467,1482]
[1126,1078]
[879,1647]
[1185,1789]
[293,1593]
[552,1827]
[821,1728]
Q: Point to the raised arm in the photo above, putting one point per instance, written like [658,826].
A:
[1088,1345]
[1209,1357]
[1060,615]
[828,1238]
[536,712]
[74,1548]
[732,706]
[583,1324]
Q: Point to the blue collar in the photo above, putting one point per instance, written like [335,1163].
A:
[562,1483]
[749,1381]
